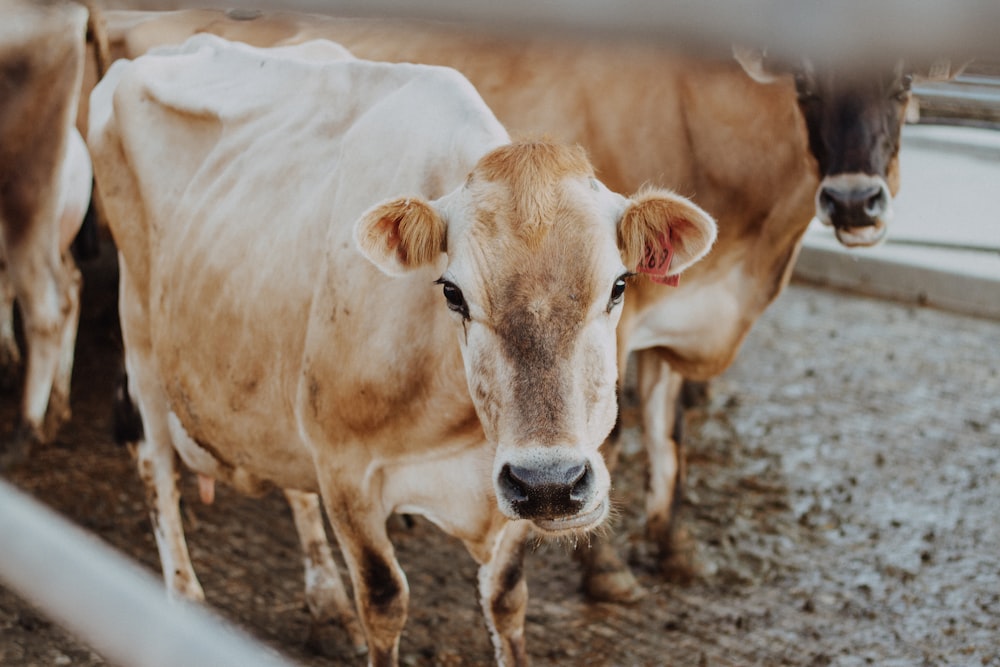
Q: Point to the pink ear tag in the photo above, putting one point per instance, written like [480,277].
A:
[656,262]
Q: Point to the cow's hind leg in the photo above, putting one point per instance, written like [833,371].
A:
[662,422]
[156,461]
[326,596]
[45,297]
[503,594]
[149,438]
[10,354]
[58,411]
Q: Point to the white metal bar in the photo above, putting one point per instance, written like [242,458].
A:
[107,600]
[848,31]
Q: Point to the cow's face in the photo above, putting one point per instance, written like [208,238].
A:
[853,120]
[539,254]
[854,125]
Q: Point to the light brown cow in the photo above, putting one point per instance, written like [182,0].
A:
[286,222]
[762,153]
[45,182]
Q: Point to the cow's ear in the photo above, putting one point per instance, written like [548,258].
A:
[401,235]
[661,234]
[759,66]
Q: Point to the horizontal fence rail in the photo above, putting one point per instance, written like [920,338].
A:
[117,608]
[971,98]
[852,32]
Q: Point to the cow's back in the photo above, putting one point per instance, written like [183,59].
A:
[645,114]
[229,248]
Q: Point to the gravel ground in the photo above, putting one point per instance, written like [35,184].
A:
[843,491]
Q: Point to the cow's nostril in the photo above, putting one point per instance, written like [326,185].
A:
[848,206]
[581,484]
[875,204]
[513,486]
[827,200]
[557,490]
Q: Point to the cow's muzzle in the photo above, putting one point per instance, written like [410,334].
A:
[557,495]
[858,206]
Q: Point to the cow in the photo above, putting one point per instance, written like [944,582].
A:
[45,184]
[763,153]
[343,276]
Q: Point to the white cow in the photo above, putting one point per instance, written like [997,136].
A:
[45,181]
[286,223]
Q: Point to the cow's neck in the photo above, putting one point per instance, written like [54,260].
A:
[759,184]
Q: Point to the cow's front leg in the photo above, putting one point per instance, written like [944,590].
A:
[662,428]
[326,596]
[503,593]
[606,576]
[380,589]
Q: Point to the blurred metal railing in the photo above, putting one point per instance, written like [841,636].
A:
[972,98]
[67,573]
[852,32]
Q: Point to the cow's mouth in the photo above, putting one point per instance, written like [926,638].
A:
[867,235]
[575,523]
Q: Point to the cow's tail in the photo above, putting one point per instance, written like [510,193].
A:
[127,420]
[87,244]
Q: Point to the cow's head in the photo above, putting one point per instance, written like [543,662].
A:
[537,256]
[854,120]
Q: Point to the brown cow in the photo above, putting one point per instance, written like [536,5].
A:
[45,184]
[764,154]
[287,220]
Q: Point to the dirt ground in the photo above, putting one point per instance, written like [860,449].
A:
[844,491]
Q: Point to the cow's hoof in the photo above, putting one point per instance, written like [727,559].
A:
[606,576]
[679,560]
[15,449]
[10,373]
[321,640]
[57,414]
[618,585]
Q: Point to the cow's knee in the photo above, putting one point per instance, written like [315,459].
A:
[510,595]
[504,595]
[325,594]
[383,597]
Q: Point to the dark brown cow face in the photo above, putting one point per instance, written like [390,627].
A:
[854,123]
[853,120]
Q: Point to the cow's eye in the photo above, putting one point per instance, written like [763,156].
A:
[617,292]
[453,296]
